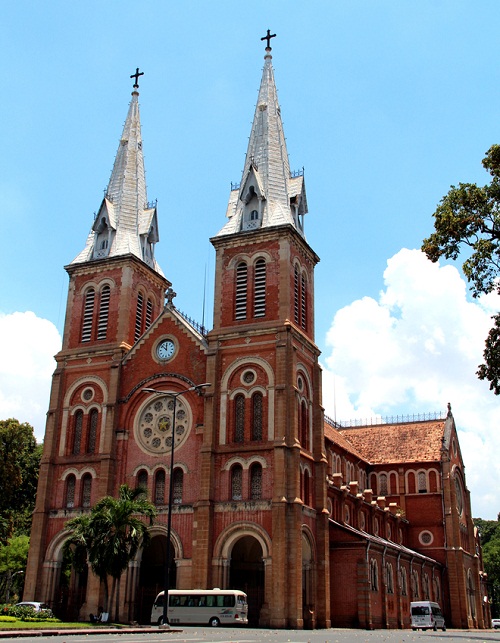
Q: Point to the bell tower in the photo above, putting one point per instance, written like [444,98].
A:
[267,381]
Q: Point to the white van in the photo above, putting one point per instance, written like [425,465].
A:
[426,616]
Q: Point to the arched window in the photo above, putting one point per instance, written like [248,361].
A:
[88,315]
[433,483]
[471,594]
[256,481]
[437,590]
[296,295]
[383,484]
[306,496]
[178,482]
[415,592]
[303,303]
[102,323]
[373,575]
[404,581]
[77,431]
[259,292]
[304,425]
[411,482]
[393,483]
[257,416]
[70,491]
[142,479]
[86,490]
[138,316]
[422,482]
[425,587]
[239,418]
[236,482]
[160,487]
[93,420]
[390,578]
[149,313]
[241,291]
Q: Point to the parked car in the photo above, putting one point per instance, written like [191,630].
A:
[426,616]
[35,605]
[495,622]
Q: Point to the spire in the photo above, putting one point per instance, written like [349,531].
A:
[125,223]
[268,194]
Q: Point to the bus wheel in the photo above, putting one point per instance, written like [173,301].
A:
[214,622]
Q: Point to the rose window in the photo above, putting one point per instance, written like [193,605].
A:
[155,423]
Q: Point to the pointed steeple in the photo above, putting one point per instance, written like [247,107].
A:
[268,195]
[125,223]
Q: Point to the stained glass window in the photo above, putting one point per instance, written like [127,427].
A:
[70,491]
[86,490]
[256,482]
[78,426]
[239,424]
[93,418]
[237,482]
[178,481]
[257,416]
[160,487]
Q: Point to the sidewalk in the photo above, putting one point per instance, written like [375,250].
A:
[55,631]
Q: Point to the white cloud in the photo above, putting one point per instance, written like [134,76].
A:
[413,351]
[27,348]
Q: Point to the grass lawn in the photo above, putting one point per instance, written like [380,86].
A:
[49,625]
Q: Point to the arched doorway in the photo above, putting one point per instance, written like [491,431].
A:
[247,574]
[152,576]
[308,598]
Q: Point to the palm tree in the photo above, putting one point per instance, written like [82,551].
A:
[111,535]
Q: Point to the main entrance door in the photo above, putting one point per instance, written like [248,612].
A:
[247,574]
[152,577]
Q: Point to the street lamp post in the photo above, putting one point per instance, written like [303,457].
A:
[154,391]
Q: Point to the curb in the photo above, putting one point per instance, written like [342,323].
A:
[6,634]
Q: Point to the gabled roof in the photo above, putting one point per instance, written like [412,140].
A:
[334,435]
[393,443]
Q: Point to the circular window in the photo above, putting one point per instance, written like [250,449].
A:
[154,425]
[87,394]
[425,537]
[248,377]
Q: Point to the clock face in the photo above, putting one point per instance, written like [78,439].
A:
[165,349]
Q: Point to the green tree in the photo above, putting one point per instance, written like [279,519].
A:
[490,540]
[468,218]
[13,559]
[19,465]
[110,536]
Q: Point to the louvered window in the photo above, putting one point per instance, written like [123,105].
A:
[88,315]
[241,291]
[77,435]
[102,325]
[296,294]
[160,487]
[138,316]
[260,288]
[239,424]
[178,482]
[149,313]
[256,482]
[257,416]
[93,418]
[303,303]
[70,491]
[86,490]
[236,482]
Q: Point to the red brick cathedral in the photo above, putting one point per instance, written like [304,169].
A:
[321,526]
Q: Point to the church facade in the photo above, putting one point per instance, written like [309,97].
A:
[321,525]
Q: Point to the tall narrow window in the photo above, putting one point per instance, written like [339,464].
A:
[383,484]
[257,416]
[236,482]
[160,487]
[138,316]
[149,313]
[303,425]
[296,289]
[178,482]
[241,291]
[303,303]
[77,432]
[256,482]
[93,418]
[70,491]
[307,489]
[142,479]
[259,307]
[102,324]
[389,578]
[88,315]
[86,490]
[239,419]
[422,482]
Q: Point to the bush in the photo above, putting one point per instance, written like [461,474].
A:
[26,613]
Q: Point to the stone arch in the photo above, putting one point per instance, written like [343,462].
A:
[225,394]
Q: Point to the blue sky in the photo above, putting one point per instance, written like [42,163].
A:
[385,104]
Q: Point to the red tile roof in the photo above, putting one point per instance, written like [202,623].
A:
[384,443]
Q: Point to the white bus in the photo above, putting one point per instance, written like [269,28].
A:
[202,606]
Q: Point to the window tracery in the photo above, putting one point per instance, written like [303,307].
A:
[237,482]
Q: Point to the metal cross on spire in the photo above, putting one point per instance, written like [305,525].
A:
[136,76]
[268,37]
